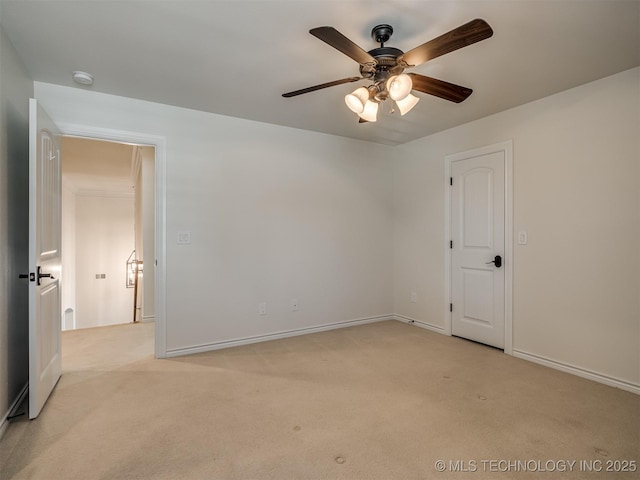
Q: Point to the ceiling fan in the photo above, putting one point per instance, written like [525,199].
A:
[384,66]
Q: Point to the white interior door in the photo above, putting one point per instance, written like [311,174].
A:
[478,248]
[45,365]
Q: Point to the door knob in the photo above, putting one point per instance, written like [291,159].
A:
[497,261]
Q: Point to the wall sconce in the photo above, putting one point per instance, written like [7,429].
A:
[134,269]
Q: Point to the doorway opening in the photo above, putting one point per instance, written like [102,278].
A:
[108,225]
[158,272]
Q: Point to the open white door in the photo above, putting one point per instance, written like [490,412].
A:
[45,364]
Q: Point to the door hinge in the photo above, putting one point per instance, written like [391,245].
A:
[450,180]
[450,243]
[451,307]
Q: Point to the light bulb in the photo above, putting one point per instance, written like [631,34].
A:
[370,112]
[399,86]
[407,103]
[357,99]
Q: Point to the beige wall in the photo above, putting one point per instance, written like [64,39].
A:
[145,229]
[68,290]
[138,225]
[148,226]
[576,191]
[104,241]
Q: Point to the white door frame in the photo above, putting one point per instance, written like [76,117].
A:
[507,148]
[98,133]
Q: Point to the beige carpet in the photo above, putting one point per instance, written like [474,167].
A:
[380,401]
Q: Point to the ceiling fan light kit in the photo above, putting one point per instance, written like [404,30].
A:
[357,99]
[364,102]
[385,67]
[407,103]
[370,112]
[399,86]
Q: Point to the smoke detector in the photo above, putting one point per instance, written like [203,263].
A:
[83,78]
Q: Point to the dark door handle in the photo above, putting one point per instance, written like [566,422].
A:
[44,275]
[497,261]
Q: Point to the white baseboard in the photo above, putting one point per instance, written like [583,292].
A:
[580,372]
[547,362]
[419,323]
[16,403]
[148,318]
[176,352]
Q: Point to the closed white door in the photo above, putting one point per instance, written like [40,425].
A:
[45,322]
[478,248]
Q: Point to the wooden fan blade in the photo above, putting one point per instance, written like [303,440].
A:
[440,88]
[467,34]
[338,41]
[362,120]
[321,86]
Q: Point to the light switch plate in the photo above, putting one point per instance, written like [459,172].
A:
[522,237]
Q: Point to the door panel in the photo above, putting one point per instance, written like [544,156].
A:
[48,343]
[477,287]
[45,365]
[49,197]
[477,228]
[477,210]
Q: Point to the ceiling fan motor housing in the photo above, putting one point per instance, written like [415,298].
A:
[386,57]
[387,63]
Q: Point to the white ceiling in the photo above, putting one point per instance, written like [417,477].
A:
[237,57]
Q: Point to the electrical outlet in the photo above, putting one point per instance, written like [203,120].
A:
[262,308]
[294,305]
[184,238]
[414,297]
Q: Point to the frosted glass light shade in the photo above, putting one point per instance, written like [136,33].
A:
[399,86]
[357,99]
[407,103]
[370,112]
